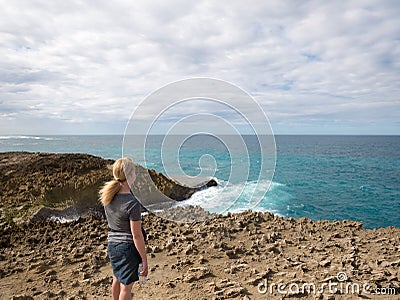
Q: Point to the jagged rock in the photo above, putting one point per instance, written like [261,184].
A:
[194,274]
[22,297]
[65,186]
[326,262]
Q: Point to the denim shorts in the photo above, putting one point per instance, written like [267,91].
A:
[125,260]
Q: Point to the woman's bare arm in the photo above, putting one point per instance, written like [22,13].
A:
[138,239]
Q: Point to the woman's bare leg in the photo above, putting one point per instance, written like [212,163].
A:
[115,289]
[126,292]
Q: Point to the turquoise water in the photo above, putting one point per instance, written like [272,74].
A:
[320,177]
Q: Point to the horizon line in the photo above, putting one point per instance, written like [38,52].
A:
[201,133]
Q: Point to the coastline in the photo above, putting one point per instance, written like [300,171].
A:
[326,178]
[226,257]
[39,186]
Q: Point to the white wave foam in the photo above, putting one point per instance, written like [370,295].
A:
[25,137]
[256,209]
[63,219]
[228,197]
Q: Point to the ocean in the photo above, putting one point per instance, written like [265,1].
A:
[318,177]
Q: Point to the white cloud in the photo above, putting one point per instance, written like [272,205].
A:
[93,62]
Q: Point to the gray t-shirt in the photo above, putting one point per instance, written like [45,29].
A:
[123,209]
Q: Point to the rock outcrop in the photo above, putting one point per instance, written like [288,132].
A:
[45,185]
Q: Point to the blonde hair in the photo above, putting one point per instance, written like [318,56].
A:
[121,167]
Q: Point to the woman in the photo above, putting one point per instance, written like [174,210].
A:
[126,246]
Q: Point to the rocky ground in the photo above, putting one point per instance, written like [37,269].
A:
[227,257]
[238,256]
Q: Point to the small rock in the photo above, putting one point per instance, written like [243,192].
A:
[194,274]
[85,276]
[202,260]
[22,297]
[50,272]
[233,292]
[325,263]
[170,285]
[50,278]
[155,249]
[231,254]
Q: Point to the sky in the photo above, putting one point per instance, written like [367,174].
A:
[314,67]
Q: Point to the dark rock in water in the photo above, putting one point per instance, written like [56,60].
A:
[211,183]
[163,189]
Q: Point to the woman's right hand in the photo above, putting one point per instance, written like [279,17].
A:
[145,269]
